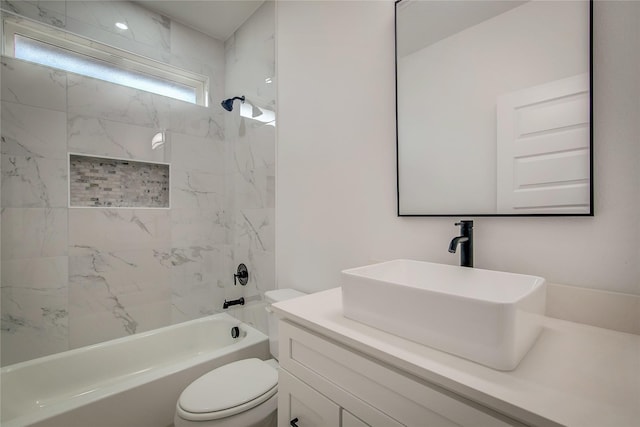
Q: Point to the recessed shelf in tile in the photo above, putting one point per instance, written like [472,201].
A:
[117,183]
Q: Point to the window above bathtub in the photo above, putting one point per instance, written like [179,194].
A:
[45,45]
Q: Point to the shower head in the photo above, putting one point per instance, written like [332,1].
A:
[227,104]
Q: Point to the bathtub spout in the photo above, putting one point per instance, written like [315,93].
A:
[228,304]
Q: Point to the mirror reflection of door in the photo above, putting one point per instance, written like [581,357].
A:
[543,148]
[455,60]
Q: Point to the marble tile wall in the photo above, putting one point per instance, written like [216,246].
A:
[34,215]
[250,59]
[72,277]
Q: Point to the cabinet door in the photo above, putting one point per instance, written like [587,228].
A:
[350,420]
[298,400]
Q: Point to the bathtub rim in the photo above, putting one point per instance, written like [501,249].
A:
[87,348]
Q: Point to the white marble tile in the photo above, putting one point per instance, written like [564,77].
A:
[195,153]
[195,265]
[187,47]
[118,229]
[118,39]
[92,328]
[34,182]
[215,73]
[261,265]
[35,85]
[32,131]
[97,98]
[198,278]
[49,12]
[58,6]
[140,312]
[197,120]
[151,310]
[271,191]
[197,190]
[187,42]
[213,69]
[34,322]
[195,302]
[33,232]
[100,137]
[99,18]
[250,56]
[252,313]
[250,59]
[36,273]
[121,272]
[195,226]
[123,292]
[257,148]
[34,308]
[255,229]
[255,188]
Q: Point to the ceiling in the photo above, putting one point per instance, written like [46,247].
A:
[216,18]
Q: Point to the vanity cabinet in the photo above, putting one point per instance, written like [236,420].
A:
[298,401]
[323,383]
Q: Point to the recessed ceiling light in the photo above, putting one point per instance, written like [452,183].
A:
[122,25]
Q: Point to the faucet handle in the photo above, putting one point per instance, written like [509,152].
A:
[242,275]
[465,222]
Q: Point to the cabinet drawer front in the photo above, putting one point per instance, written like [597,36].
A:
[298,400]
[409,401]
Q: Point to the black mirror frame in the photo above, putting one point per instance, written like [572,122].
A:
[467,215]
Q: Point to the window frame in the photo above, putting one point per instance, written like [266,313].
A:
[98,51]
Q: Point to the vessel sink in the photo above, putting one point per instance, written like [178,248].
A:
[489,317]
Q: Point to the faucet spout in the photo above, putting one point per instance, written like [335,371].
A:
[465,240]
[455,242]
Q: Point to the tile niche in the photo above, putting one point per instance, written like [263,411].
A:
[117,183]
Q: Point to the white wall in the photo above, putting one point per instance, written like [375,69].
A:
[336,176]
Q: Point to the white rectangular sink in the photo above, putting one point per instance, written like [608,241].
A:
[489,317]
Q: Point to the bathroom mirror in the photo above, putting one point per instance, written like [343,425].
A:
[493,105]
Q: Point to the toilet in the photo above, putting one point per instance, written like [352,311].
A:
[241,393]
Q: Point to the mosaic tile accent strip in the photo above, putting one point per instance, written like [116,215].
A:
[102,182]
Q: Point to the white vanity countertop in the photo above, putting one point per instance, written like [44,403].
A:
[575,375]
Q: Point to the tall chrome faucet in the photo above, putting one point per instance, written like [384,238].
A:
[465,240]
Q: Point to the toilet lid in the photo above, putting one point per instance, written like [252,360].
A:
[235,385]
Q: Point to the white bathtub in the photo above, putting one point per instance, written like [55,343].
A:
[128,382]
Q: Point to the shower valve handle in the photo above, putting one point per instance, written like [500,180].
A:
[242,275]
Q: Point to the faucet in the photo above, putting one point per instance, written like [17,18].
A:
[465,240]
[228,304]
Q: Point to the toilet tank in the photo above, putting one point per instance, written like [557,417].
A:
[271,297]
